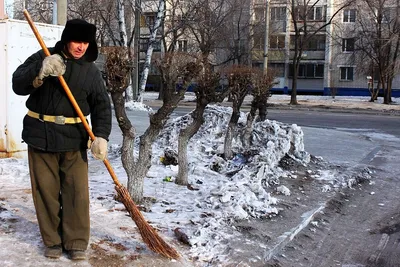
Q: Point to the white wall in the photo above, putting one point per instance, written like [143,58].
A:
[19,43]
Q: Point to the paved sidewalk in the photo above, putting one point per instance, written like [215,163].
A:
[340,103]
[305,102]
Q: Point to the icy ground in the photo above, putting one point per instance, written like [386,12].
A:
[258,184]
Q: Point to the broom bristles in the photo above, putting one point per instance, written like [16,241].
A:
[149,235]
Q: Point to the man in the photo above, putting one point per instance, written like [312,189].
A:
[57,140]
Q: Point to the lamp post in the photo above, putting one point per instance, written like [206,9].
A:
[136,49]
[61,12]
[55,12]
[266,37]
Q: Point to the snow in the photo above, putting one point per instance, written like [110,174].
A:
[250,186]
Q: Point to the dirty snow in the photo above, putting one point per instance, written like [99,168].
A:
[224,192]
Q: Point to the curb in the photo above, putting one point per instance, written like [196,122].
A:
[300,107]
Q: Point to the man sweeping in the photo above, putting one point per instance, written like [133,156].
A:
[56,138]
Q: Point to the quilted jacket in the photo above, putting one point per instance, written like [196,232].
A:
[87,86]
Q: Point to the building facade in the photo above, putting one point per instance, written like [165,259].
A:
[332,36]
[332,57]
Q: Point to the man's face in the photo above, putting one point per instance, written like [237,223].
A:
[77,49]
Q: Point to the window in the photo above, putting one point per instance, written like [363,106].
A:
[239,46]
[349,15]
[278,69]
[148,19]
[386,14]
[278,13]
[348,45]
[383,15]
[308,71]
[276,41]
[144,45]
[258,42]
[316,43]
[310,13]
[316,13]
[299,13]
[346,73]
[183,4]
[259,14]
[182,45]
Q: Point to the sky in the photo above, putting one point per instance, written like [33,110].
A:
[249,187]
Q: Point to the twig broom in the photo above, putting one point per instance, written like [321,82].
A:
[149,235]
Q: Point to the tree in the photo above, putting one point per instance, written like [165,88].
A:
[209,26]
[306,25]
[207,89]
[240,83]
[174,27]
[261,91]
[39,10]
[152,40]
[118,68]
[377,33]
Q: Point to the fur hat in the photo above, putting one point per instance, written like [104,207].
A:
[81,30]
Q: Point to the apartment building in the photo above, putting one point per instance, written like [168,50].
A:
[331,58]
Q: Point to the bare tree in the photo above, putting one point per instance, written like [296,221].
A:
[152,40]
[208,90]
[233,46]
[378,41]
[118,67]
[39,10]
[240,83]
[305,27]
[261,91]
[209,26]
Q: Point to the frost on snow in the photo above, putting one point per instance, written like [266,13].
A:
[234,189]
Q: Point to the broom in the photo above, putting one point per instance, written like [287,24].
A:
[149,235]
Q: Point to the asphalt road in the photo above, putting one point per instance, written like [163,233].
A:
[351,122]
[337,137]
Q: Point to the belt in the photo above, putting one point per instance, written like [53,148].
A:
[55,119]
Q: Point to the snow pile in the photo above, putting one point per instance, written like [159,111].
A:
[234,189]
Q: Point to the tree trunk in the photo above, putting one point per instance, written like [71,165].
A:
[249,123]
[373,92]
[143,164]
[293,95]
[183,141]
[228,141]
[389,88]
[184,136]
[237,103]
[128,134]
[262,108]
[385,93]
[149,53]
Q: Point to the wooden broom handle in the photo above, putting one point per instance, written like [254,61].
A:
[70,95]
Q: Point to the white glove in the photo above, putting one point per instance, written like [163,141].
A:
[52,66]
[98,147]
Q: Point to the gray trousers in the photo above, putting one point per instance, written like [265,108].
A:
[61,196]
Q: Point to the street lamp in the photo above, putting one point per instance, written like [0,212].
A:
[266,37]
[136,49]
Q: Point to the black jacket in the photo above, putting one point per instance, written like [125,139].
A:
[87,86]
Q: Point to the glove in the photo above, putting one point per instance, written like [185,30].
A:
[52,66]
[37,82]
[98,147]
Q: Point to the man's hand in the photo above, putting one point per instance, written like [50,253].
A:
[98,148]
[52,66]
